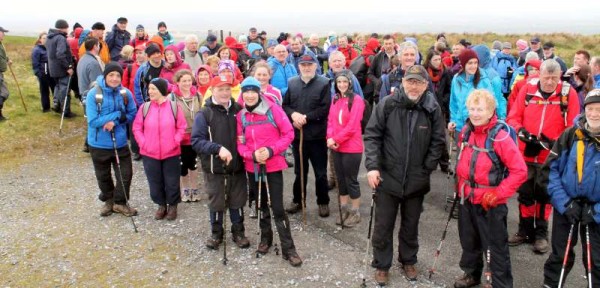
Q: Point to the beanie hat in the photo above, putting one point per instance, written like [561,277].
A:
[250,84]
[77,25]
[112,67]
[140,27]
[465,56]
[522,45]
[162,24]
[497,45]
[242,38]
[61,24]
[152,49]
[161,84]
[98,26]
[592,97]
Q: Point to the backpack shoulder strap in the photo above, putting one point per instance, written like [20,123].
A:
[173,108]
[99,96]
[580,154]
[145,109]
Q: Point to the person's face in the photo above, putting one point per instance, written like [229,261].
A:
[205,55]
[222,94]
[532,71]
[313,41]
[1,35]
[226,72]
[296,46]
[414,88]
[549,81]
[360,41]
[457,49]
[506,51]
[592,115]
[342,84]
[192,46]
[140,56]
[113,79]
[472,66]
[122,26]
[224,55]
[212,45]
[155,58]
[408,57]
[280,53]
[98,34]
[337,64]
[140,33]
[214,68]
[203,77]
[162,29]
[262,75]
[154,93]
[534,46]
[308,70]
[479,113]
[343,42]
[548,52]
[185,82]
[42,39]
[271,50]
[388,46]
[253,34]
[436,61]
[170,56]
[250,97]
[579,60]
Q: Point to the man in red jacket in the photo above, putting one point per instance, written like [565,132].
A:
[348,51]
[543,109]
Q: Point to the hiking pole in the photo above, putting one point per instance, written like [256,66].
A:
[18,86]
[114,140]
[562,270]
[439,248]
[258,179]
[488,268]
[448,175]
[373,195]
[264,169]
[225,213]
[302,188]
[62,117]
[589,255]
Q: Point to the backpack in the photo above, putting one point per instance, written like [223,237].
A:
[359,68]
[173,104]
[564,100]
[246,123]
[505,69]
[501,170]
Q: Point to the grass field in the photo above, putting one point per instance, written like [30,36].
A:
[36,134]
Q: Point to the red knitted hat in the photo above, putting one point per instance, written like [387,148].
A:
[465,56]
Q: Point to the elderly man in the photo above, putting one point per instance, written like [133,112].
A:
[403,143]
[313,45]
[282,70]
[540,114]
[117,38]
[381,64]
[297,50]
[337,62]
[306,103]
[190,53]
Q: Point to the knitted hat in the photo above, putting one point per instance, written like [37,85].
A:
[112,67]
[161,84]
[152,49]
[61,24]
[162,24]
[592,97]
[250,84]
[465,56]
[522,45]
[139,27]
[497,45]
[98,26]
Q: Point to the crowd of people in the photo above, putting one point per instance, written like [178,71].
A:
[523,122]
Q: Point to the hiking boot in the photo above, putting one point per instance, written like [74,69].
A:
[70,115]
[293,258]
[540,246]
[289,162]
[410,272]
[237,231]
[185,195]
[214,241]
[353,219]
[171,212]
[56,108]
[107,209]
[382,277]
[466,281]
[124,209]
[136,157]
[517,239]
[345,214]
[293,208]
[194,195]
[263,248]
[161,212]
[324,210]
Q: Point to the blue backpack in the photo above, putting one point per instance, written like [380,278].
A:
[505,67]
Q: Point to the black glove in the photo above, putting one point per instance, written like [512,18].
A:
[587,214]
[548,143]
[524,135]
[123,118]
[573,212]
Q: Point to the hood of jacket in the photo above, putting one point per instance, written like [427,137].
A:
[483,53]
[175,51]
[55,32]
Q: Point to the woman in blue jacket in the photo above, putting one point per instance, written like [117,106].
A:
[39,61]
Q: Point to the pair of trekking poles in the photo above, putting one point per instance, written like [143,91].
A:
[589,255]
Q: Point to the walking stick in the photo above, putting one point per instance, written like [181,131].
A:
[562,270]
[114,140]
[62,117]
[225,214]
[589,255]
[18,86]
[373,195]
[488,268]
[302,185]
[259,180]
[264,169]
[439,248]
[449,175]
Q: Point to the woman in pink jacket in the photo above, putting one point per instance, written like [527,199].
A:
[173,63]
[159,127]
[262,72]
[344,138]
[264,133]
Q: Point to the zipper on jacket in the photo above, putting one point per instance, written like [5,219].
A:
[212,171]
[535,159]
[407,152]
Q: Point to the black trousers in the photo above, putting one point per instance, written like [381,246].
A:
[103,159]
[46,87]
[560,234]
[316,152]
[533,197]
[475,225]
[346,169]
[163,179]
[408,236]
[135,148]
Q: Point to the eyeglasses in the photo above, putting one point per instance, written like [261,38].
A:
[413,82]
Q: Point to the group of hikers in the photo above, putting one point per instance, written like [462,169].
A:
[527,124]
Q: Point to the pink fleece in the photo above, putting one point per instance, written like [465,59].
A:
[344,125]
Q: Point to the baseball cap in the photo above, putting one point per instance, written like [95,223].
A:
[306,58]
[3,30]
[211,38]
[548,45]
[221,80]
[535,40]
[417,72]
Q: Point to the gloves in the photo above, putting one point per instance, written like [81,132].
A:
[547,141]
[489,200]
[587,214]
[573,212]
[524,135]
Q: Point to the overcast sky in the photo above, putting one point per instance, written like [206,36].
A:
[311,16]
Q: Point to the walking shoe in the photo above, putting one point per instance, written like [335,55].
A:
[241,241]
[263,248]
[161,212]
[345,214]
[124,209]
[136,157]
[540,246]
[194,195]
[517,239]
[185,195]
[171,212]
[353,219]
[107,208]
[466,281]
[86,148]
[410,272]
[214,241]
[382,277]
[293,208]
[289,162]
[56,108]
[293,258]
[324,210]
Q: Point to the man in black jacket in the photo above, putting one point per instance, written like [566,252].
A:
[60,65]
[403,142]
[381,64]
[307,102]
